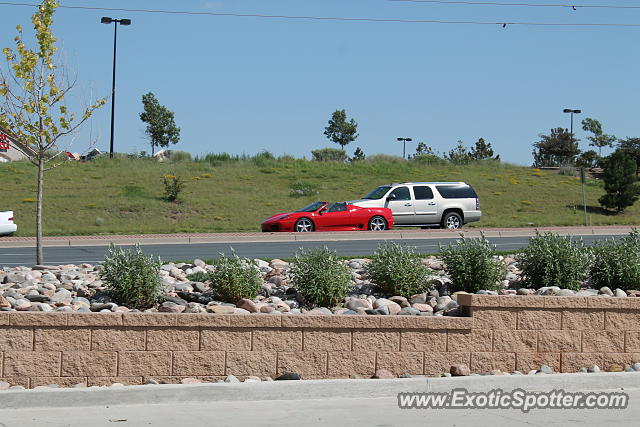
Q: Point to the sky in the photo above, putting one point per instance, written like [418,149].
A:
[248,84]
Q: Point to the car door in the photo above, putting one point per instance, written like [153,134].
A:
[425,205]
[400,202]
[336,216]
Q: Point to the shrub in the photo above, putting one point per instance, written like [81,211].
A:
[303,189]
[552,260]
[234,278]
[329,155]
[428,159]
[131,277]
[471,265]
[179,156]
[385,158]
[320,276]
[173,185]
[619,176]
[398,270]
[200,276]
[616,264]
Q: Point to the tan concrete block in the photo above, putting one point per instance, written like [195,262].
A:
[21,318]
[149,319]
[632,341]
[258,363]
[473,340]
[323,339]
[474,300]
[21,381]
[565,302]
[89,363]
[528,361]
[203,320]
[423,341]
[622,320]
[425,322]
[94,319]
[309,364]
[583,320]
[400,363]
[609,303]
[4,319]
[164,379]
[559,341]
[65,382]
[49,339]
[492,319]
[31,363]
[539,319]
[331,322]
[572,362]
[619,359]
[225,339]
[602,341]
[516,341]
[107,381]
[485,361]
[254,321]
[173,339]
[198,363]
[144,363]
[379,340]
[439,363]
[528,301]
[118,338]
[277,339]
[16,339]
[343,364]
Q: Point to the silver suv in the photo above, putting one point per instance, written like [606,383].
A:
[426,204]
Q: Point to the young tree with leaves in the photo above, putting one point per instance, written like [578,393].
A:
[482,150]
[459,155]
[559,148]
[340,130]
[161,126]
[619,181]
[631,146]
[32,101]
[599,139]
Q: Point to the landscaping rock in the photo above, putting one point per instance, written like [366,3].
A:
[383,374]
[459,370]
[288,376]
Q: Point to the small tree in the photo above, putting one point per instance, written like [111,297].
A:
[482,150]
[33,108]
[599,139]
[619,181]
[588,159]
[631,146]
[161,126]
[357,155]
[559,148]
[340,130]
[459,155]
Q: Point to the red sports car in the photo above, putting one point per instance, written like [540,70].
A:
[325,216]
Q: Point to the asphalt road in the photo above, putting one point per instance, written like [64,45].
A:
[264,250]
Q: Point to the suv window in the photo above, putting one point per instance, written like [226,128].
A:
[456,192]
[401,193]
[422,192]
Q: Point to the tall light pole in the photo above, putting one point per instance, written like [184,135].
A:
[568,110]
[107,20]
[404,145]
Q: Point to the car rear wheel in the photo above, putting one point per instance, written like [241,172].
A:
[377,223]
[303,225]
[452,221]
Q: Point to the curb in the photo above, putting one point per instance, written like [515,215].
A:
[307,389]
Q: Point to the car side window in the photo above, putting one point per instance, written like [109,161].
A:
[338,207]
[423,192]
[401,193]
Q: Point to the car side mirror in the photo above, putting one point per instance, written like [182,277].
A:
[391,197]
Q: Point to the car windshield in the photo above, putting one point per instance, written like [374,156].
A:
[378,193]
[312,207]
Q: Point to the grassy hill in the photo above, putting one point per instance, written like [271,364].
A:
[125,195]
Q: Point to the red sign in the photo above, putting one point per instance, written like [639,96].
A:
[4,142]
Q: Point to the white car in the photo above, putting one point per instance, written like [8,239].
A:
[7,226]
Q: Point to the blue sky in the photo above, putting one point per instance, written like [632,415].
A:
[243,85]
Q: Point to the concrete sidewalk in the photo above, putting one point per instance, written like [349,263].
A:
[396,234]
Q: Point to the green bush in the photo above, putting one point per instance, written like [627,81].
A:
[320,276]
[329,155]
[234,278]
[200,276]
[552,260]
[471,265]
[131,277]
[173,185]
[303,189]
[616,264]
[398,270]
[179,156]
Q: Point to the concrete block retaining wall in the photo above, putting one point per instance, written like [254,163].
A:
[501,332]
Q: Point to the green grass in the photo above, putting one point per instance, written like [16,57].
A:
[126,195]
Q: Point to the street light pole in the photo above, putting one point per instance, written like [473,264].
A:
[568,110]
[107,20]
[404,145]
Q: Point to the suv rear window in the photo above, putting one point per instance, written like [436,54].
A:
[456,192]
[422,192]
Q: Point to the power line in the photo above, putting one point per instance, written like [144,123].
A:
[493,3]
[334,18]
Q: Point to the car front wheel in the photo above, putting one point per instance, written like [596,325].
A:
[377,223]
[303,225]
[452,221]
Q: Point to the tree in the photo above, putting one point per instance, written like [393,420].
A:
[161,126]
[459,155]
[482,150]
[619,181]
[33,109]
[631,146]
[340,130]
[357,155]
[588,159]
[556,149]
[599,139]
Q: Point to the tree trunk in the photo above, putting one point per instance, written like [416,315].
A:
[39,252]
[153,149]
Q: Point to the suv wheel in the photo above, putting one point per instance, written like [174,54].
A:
[377,223]
[452,221]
